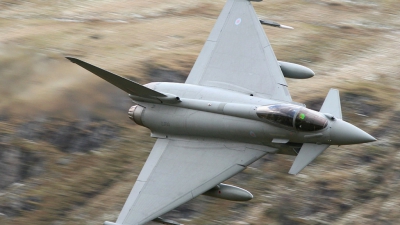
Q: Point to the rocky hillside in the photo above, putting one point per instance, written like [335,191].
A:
[70,155]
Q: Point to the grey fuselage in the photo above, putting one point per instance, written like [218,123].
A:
[218,113]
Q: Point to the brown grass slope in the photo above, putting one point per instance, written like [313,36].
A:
[69,154]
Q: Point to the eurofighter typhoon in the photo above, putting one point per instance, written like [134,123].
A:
[233,109]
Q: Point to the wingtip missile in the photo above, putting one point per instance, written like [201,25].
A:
[275,24]
[286,27]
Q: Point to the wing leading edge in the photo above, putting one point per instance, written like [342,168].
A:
[178,170]
[238,56]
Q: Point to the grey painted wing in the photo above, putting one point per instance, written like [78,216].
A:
[238,56]
[178,170]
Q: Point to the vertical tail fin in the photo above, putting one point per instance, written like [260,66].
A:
[122,83]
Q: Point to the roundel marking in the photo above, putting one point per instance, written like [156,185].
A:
[238,21]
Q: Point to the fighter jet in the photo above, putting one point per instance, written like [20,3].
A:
[233,109]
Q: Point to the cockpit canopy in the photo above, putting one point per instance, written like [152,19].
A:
[294,116]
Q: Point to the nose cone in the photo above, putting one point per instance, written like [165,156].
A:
[343,133]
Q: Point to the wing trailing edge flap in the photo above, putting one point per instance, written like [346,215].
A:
[131,87]
[331,105]
[178,170]
[307,154]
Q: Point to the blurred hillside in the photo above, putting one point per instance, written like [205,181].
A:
[70,155]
